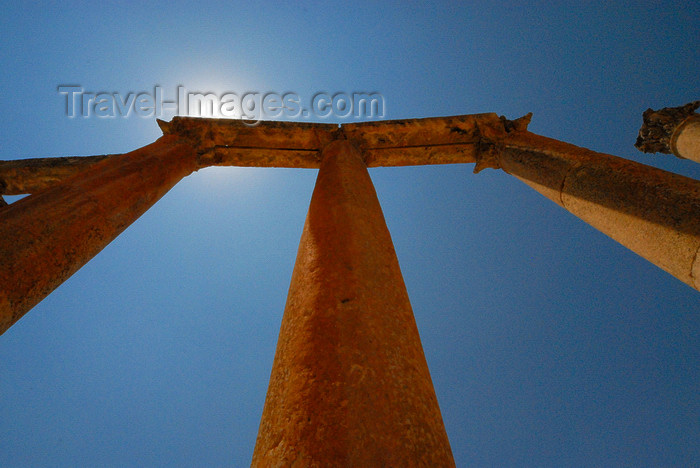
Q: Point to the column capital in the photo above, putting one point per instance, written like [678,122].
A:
[661,127]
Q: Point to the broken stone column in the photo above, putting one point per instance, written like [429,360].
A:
[48,236]
[654,213]
[350,385]
[671,130]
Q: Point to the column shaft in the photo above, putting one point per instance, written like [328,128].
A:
[350,385]
[650,211]
[48,236]
[685,141]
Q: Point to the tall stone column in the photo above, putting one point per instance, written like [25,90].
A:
[654,213]
[350,385]
[673,130]
[48,236]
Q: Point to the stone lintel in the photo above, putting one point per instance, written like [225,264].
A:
[233,142]
[437,140]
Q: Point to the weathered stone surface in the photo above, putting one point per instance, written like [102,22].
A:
[46,237]
[33,175]
[438,140]
[435,140]
[654,213]
[233,142]
[350,385]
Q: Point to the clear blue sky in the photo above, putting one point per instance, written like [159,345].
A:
[548,343]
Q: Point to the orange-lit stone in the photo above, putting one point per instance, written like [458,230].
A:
[48,236]
[350,385]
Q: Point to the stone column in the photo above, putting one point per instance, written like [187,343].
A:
[350,385]
[48,236]
[673,130]
[654,213]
